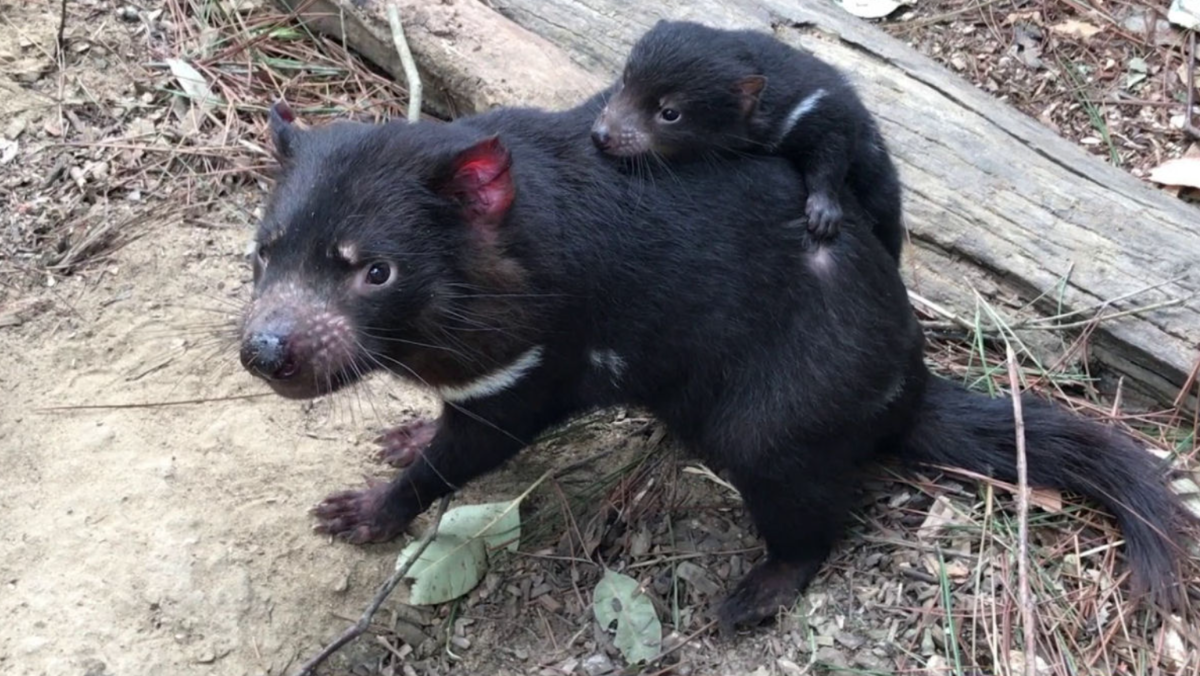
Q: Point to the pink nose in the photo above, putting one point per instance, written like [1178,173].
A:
[601,136]
[267,355]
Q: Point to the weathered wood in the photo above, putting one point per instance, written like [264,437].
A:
[995,202]
[470,58]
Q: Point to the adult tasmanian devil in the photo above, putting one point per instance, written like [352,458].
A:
[506,264]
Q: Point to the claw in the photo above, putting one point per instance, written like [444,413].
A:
[358,516]
[769,587]
[402,445]
[824,215]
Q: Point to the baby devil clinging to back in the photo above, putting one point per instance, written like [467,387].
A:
[688,90]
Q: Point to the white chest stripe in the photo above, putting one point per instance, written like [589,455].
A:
[494,382]
[806,106]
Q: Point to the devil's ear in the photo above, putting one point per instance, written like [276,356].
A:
[479,179]
[283,130]
[749,89]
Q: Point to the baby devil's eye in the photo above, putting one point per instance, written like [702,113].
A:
[379,273]
[669,115]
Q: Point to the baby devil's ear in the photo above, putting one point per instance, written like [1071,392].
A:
[480,180]
[749,89]
[283,130]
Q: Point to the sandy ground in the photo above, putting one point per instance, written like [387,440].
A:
[165,539]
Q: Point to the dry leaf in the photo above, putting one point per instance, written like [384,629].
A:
[193,83]
[1048,499]
[871,9]
[1181,71]
[1183,171]
[1034,17]
[1185,13]
[1075,28]
[1016,663]
[956,570]
[199,95]
[1174,648]
[940,515]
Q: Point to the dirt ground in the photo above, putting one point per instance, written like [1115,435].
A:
[153,496]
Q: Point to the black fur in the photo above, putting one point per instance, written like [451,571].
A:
[712,78]
[787,365]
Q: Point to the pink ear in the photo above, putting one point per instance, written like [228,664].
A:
[749,89]
[482,183]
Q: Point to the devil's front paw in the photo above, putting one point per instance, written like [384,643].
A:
[403,444]
[769,587]
[360,516]
[824,215]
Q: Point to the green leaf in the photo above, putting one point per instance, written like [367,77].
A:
[457,558]
[618,598]
[449,567]
[490,521]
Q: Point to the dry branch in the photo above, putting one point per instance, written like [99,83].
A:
[994,200]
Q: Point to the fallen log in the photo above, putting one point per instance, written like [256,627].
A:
[996,203]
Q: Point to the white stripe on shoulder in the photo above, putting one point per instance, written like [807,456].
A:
[806,106]
[495,382]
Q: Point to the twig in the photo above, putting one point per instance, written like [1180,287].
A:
[1027,619]
[62,29]
[1099,317]
[388,586]
[1188,126]
[412,78]
[1096,308]
[385,590]
[151,404]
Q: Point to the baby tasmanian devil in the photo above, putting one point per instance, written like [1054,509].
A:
[689,90]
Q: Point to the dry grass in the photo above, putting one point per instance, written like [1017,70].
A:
[1108,75]
[155,148]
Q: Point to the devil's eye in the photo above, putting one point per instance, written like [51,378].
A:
[669,115]
[262,251]
[379,273]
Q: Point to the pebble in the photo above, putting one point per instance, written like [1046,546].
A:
[15,128]
[597,664]
[206,657]
[788,667]
[409,633]
[698,578]
[849,640]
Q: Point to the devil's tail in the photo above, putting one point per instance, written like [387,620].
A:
[959,428]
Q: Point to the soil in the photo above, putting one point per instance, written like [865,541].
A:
[153,500]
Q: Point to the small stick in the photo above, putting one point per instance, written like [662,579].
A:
[152,404]
[62,29]
[410,66]
[1188,126]
[385,590]
[1027,618]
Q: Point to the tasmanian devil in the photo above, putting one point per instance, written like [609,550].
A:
[688,91]
[501,261]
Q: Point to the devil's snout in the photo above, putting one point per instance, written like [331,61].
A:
[267,354]
[600,135]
